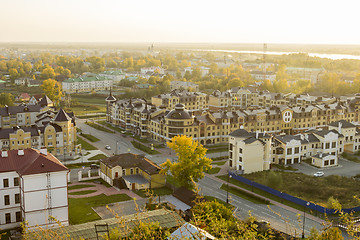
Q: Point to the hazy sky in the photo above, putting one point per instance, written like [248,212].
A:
[238,21]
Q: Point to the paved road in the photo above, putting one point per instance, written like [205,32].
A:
[279,218]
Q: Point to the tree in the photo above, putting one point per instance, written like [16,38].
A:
[53,90]
[301,86]
[13,74]
[235,82]
[6,99]
[3,66]
[47,72]
[191,163]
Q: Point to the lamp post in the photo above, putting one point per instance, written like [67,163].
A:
[227,188]
[303,232]
[116,147]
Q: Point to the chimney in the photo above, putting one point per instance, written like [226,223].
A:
[21,152]
[257,134]
[340,125]
[43,151]
[4,153]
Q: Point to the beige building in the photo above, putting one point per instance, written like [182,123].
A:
[131,171]
[249,152]
[323,160]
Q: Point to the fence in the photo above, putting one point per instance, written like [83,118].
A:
[290,198]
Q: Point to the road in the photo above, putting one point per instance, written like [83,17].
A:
[279,218]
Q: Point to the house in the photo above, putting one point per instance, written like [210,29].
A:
[33,189]
[249,152]
[324,160]
[24,97]
[131,171]
[190,232]
[350,132]
[189,86]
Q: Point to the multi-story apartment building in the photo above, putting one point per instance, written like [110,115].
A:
[189,86]
[55,131]
[24,115]
[321,146]
[249,152]
[86,84]
[195,101]
[33,189]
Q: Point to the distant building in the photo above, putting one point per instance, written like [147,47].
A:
[116,76]
[86,84]
[182,85]
[33,189]
[153,69]
[131,171]
[260,75]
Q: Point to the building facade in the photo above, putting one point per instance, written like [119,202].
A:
[34,189]
[86,84]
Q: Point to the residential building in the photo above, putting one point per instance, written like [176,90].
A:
[86,83]
[152,69]
[189,86]
[34,189]
[249,152]
[261,75]
[322,160]
[116,76]
[195,101]
[131,171]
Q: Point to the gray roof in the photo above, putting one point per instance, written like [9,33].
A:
[135,179]
[344,124]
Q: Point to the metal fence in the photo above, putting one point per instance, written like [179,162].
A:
[290,198]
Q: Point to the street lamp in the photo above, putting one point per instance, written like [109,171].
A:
[117,147]
[152,147]
[227,188]
[303,232]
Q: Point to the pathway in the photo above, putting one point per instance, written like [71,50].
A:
[100,189]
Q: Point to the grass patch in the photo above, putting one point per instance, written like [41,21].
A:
[99,127]
[80,209]
[245,195]
[90,137]
[219,163]
[155,192]
[97,157]
[213,170]
[91,116]
[87,110]
[220,149]
[217,146]
[282,167]
[143,140]
[351,157]
[220,158]
[85,145]
[111,126]
[144,148]
[80,186]
[99,181]
[78,165]
[82,192]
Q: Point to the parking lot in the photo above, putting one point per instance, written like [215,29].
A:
[345,168]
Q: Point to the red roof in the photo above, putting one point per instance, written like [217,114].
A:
[32,162]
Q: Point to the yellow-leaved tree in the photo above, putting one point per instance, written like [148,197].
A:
[53,90]
[191,162]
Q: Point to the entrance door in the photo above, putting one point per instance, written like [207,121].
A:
[116,174]
[133,186]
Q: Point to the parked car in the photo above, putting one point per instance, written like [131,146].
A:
[319,174]
[107,147]
[94,166]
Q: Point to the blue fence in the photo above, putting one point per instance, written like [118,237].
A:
[290,198]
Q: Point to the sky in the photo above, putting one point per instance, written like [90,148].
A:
[223,21]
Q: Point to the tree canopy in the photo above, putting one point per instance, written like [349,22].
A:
[53,90]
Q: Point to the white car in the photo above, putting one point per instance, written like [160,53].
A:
[107,147]
[319,174]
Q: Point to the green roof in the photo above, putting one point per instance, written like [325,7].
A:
[166,219]
[87,79]
[119,72]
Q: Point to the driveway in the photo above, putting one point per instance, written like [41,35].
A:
[345,168]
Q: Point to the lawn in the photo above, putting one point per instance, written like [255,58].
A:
[99,181]
[80,209]
[98,157]
[99,127]
[86,109]
[80,186]
[213,170]
[90,137]
[82,192]
[219,149]
[155,192]
[220,163]
[351,157]
[85,145]
[245,195]
[79,165]
[314,189]
[111,126]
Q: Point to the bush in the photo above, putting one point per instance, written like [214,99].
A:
[274,180]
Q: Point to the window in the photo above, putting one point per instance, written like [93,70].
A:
[230,146]
[333,145]
[296,150]
[230,155]
[240,159]
[332,161]
[17,198]
[124,172]
[7,200]
[6,182]
[131,171]
[16,181]
[289,151]
[240,150]
[327,145]
[7,218]
[18,216]
[230,163]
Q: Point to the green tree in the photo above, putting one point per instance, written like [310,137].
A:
[235,82]
[6,99]
[53,90]
[191,162]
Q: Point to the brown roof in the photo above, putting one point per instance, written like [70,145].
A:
[62,116]
[187,196]
[32,162]
[128,160]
